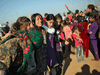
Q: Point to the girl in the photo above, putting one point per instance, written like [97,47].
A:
[83,35]
[52,54]
[20,47]
[58,27]
[40,54]
[92,31]
[68,38]
[78,44]
[75,22]
[58,19]
[62,38]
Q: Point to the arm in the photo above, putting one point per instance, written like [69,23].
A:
[91,28]
[30,16]
[96,6]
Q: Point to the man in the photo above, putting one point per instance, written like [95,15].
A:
[7,24]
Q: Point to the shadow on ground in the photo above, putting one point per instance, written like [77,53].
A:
[86,71]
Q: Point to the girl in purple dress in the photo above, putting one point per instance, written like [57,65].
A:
[92,31]
[51,56]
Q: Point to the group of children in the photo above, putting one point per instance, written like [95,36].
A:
[43,43]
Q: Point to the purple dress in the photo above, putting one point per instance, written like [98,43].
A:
[93,39]
[75,23]
[51,56]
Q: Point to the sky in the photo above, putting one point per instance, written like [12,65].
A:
[10,10]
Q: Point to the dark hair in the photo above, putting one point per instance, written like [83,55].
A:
[7,22]
[33,18]
[93,15]
[67,19]
[5,29]
[81,12]
[64,14]
[91,6]
[74,17]
[64,22]
[45,14]
[74,28]
[68,12]
[58,16]
[49,17]
[21,21]
[81,20]
[77,11]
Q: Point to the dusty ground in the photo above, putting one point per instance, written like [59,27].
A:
[72,67]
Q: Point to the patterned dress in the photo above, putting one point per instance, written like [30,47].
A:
[51,56]
[9,48]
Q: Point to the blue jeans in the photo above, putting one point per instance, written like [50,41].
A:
[79,52]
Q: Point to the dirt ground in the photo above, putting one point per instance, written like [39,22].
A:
[72,67]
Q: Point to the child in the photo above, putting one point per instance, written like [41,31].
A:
[75,22]
[51,55]
[83,35]
[5,32]
[64,16]
[92,31]
[62,39]
[69,15]
[78,44]
[44,18]
[68,38]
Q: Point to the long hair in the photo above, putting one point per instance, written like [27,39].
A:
[49,17]
[58,16]
[74,28]
[91,6]
[33,18]
[20,21]
[95,16]
[81,20]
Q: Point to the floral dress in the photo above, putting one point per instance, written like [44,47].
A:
[9,48]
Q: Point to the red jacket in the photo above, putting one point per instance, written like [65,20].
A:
[83,34]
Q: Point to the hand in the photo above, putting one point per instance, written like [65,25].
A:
[89,24]
[82,40]
[90,32]
[88,4]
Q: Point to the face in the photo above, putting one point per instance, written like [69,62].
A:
[4,32]
[76,31]
[50,23]
[58,20]
[91,19]
[99,13]
[89,10]
[22,28]
[6,23]
[28,27]
[38,21]
[81,13]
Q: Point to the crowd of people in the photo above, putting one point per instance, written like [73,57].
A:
[37,46]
